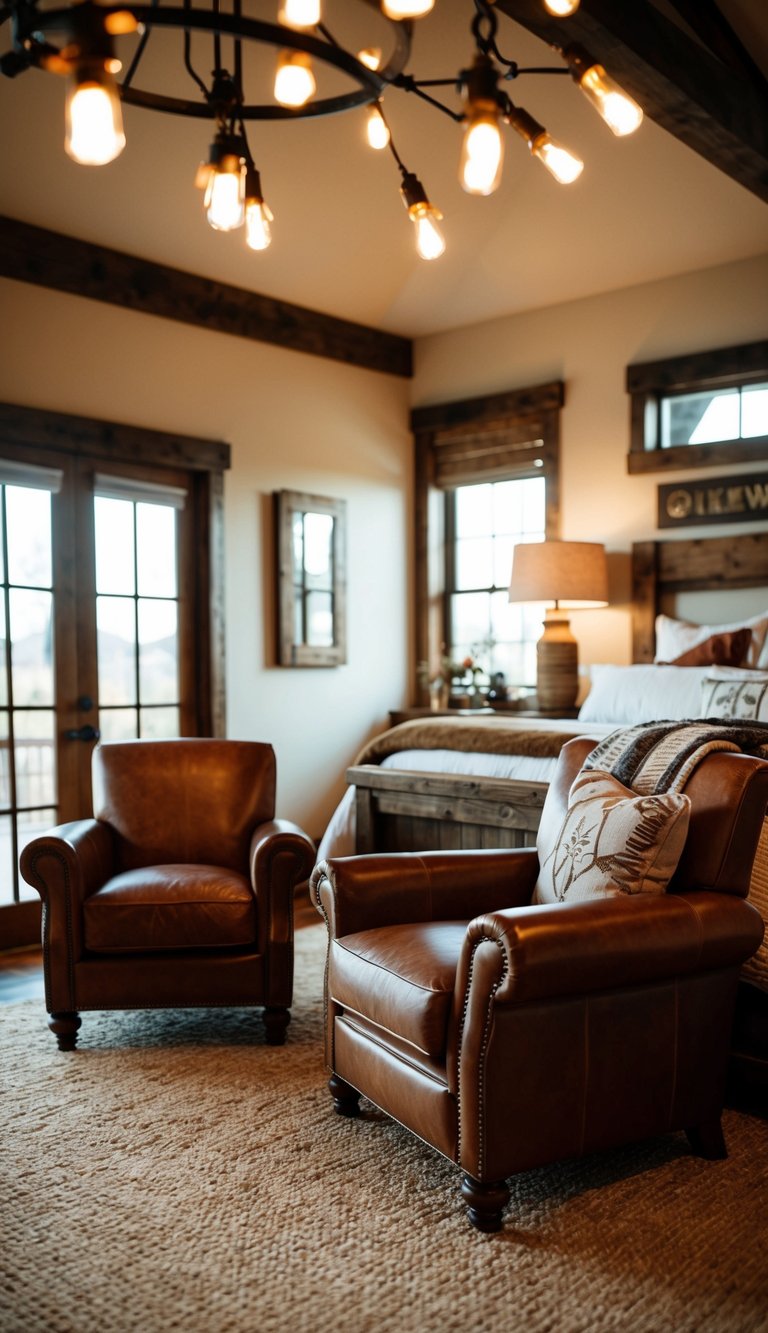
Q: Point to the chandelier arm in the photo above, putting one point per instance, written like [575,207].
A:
[134,65]
[409,85]
[193,74]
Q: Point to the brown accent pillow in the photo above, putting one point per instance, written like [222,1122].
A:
[724,649]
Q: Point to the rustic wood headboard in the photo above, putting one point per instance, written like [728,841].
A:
[714,564]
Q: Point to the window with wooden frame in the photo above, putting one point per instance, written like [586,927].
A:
[111,603]
[487,475]
[703,410]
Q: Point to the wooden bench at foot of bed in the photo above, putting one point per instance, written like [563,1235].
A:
[416,812]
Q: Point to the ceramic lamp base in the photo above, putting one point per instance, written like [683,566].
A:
[557,664]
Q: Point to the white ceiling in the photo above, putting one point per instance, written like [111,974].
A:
[644,207]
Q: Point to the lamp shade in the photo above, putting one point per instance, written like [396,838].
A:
[570,574]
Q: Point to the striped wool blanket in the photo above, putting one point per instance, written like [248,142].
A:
[660,756]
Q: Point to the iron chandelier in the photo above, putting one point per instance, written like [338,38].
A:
[79,42]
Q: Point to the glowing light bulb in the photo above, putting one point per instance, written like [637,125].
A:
[258,232]
[562,9]
[564,165]
[94,131]
[430,241]
[482,154]
[406,9]
[225,195]
[370,56]
[294,80]
[621,114]
[299,13]
[376,128]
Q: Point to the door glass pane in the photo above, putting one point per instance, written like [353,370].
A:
[138,631]
[27,718]
[31,646]
[34,746]
[115,563]
[28,520]
[159,723]
[116,644]
[158,652]
[156,550]
[118,724]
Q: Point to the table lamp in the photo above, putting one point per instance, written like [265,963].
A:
[572,576]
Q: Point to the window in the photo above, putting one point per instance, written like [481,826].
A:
[111,613]
[311,585]
[701,410]
[485,521]
[487,476]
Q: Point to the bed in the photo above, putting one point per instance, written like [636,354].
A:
[481,782]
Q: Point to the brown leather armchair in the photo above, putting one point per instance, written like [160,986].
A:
[508,1035]
[178,893]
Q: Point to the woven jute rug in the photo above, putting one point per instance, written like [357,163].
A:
[177,1174]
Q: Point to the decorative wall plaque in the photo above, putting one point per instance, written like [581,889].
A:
[740,499]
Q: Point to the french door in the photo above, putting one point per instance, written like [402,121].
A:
[101,632]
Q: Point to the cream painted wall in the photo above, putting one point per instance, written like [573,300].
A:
[294,422]
[589,344]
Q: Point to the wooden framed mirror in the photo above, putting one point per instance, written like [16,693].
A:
[311,586]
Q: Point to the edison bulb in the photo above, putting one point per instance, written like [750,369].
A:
[562,9]
[482,154]
[94,121]
[430,241]
[406,9]
[258,232]
[376,128]
[225,199]
[294,80]
[621,114]
[564,165]
[299,13]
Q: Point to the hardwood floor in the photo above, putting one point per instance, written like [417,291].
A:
[21,970]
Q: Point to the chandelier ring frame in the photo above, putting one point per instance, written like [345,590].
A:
[372,83]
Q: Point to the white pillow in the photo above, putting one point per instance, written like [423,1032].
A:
[743,696]
[643,693]
[611,842]
[675,637]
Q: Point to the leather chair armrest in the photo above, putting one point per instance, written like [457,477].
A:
[565,949]
[66,866]
[363,892]
[281,857]
[72,858]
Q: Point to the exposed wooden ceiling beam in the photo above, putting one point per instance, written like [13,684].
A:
[48,259]
[677,81]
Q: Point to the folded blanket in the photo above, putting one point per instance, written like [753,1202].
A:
[448,733]
[660,756]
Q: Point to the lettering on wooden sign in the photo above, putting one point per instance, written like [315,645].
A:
[739,499]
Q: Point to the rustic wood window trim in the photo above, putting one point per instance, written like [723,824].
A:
[650,381]
[492,438]
[206,461]
[290,653]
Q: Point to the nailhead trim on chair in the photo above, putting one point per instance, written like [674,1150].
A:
[483,1048]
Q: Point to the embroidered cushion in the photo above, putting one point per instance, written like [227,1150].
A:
[611,842]
[744,697]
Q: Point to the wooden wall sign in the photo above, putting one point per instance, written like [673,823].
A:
[740,499]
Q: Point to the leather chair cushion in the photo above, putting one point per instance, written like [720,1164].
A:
[171,907]
[401,978]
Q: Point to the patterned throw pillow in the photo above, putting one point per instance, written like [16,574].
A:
[611,842]
[741,697]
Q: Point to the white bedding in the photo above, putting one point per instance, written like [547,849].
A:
[339,837]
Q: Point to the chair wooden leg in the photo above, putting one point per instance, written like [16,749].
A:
[276,1020]
[707,1139]
[346,1100]
[486,1201]
[65,1027]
